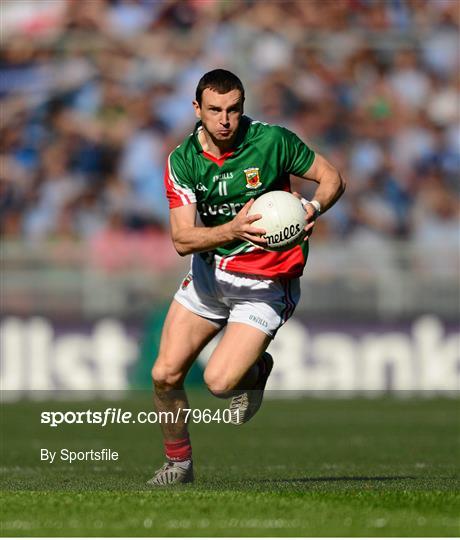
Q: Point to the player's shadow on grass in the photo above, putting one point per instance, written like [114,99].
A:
[309,479]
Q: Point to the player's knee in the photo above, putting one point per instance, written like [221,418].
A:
[165,376]
[218,385]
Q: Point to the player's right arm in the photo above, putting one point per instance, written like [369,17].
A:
[189,238]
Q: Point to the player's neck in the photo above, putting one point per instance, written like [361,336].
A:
[211,147]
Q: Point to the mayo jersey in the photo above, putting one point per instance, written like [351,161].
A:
[262,159]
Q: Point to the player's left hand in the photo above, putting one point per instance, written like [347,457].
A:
[310,217]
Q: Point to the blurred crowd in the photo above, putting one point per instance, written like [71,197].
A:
[96,93]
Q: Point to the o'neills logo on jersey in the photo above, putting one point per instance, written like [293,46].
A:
[225,209]
[252,178]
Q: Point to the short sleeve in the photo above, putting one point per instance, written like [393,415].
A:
[298,157]
[180,189]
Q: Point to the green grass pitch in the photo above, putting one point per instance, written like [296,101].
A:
[301,467]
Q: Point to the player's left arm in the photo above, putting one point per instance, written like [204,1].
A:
[331,186]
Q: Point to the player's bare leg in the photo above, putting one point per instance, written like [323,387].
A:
[240,367]
[184,336]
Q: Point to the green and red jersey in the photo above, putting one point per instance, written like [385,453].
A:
[263,158]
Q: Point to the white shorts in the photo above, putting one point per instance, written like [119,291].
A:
[223,297]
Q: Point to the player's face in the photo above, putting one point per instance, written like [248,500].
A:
[220,114]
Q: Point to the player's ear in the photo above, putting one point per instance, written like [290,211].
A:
[197,108]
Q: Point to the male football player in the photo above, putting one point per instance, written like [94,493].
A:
[217,172]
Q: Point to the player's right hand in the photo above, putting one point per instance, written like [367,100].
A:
[242,229]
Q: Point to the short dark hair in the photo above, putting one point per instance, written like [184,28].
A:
[219,80]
